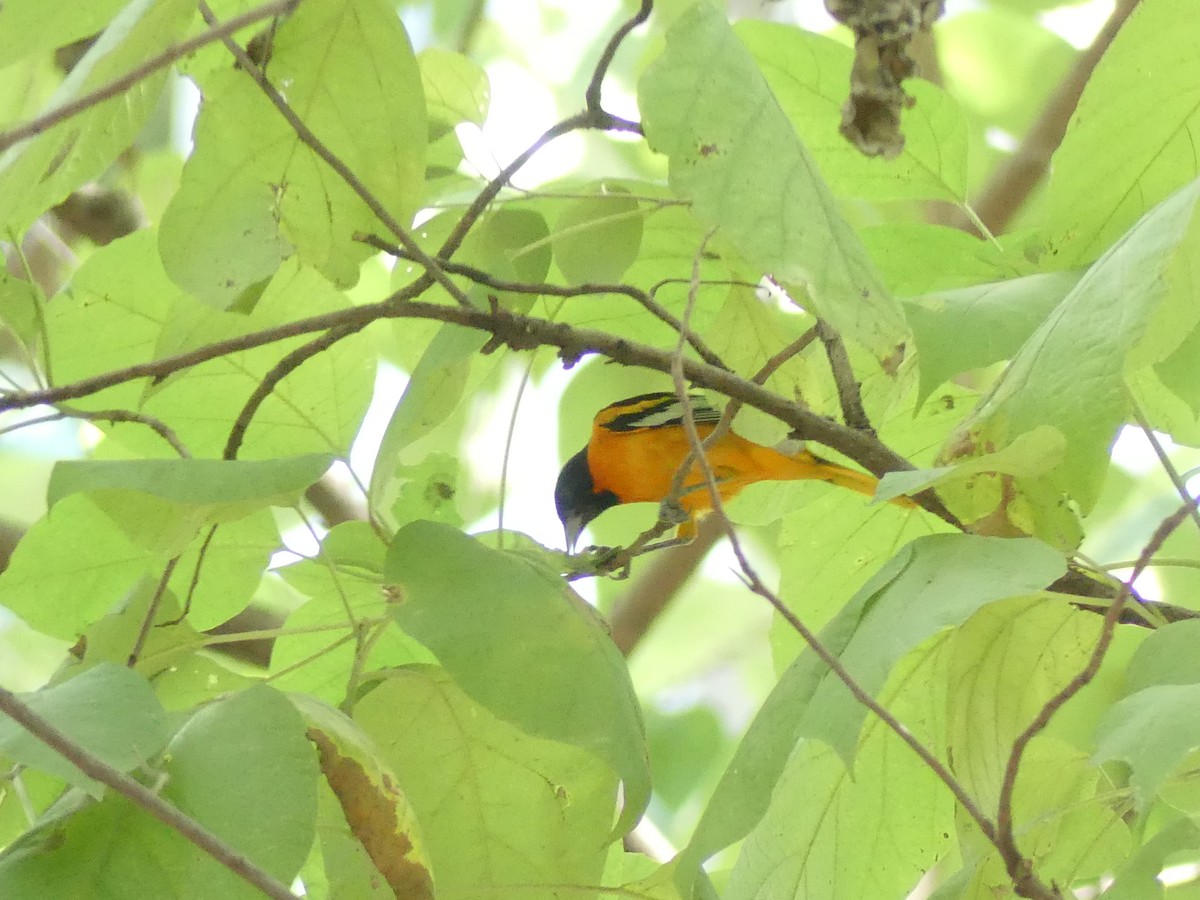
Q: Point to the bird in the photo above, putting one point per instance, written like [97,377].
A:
[637,444]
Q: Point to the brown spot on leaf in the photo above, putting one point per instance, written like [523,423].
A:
[370,810]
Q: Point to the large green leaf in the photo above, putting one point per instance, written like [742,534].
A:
[1149,75]
[521,645]
[831,834]
[244,769]
[933,582]
[39,172]
[1071,372]
[109,711]
[30,26]
[597,238]
[250,194]
[498,807]
[736,157]
[808,74]
[226,489]
[72,567]
[973,327]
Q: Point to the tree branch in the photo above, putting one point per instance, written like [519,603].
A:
[229,857]
[145,70]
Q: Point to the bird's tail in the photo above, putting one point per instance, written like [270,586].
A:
[806,466]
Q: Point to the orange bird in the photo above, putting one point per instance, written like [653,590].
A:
[638,444]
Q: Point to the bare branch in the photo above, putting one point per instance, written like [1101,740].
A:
[151,612]
[278,372]
[843,377]
[235,861]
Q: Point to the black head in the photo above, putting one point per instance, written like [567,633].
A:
[576,499]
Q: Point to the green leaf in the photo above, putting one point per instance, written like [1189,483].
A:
[434,390]
[1138,880]
[20,306]
[1071,373]
[946,578]
[250,194]
[518,644]
[1152,730]
[932,583]
[808,74]
[456,89]
[317,408]
[510,243]
[597,238]
[244,769]
[1063,812]
[1149,74]
[973,327]
[870,834]
[40,171]
[224,489]
[121,292]
[1167,656]
[220,579]
[916,258]
[109,710]
[737,158]
[30,26]
[1032,453]
[71,568]
[498,807]
[317,653]
[1178,371]
[428,491]
[1003,664]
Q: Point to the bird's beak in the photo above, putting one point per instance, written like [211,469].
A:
[573,528]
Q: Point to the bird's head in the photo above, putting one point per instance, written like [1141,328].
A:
[576,498]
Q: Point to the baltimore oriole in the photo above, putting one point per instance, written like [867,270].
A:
[637,445]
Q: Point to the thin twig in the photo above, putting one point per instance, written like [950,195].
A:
[201,556]
[309,139]
[1164,460]
[158,426]
[223,853]
[151,612]
[592,118]
[847,385]
[1019,868]
[288,364]
[486,279]
[592,94]
[119,85]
